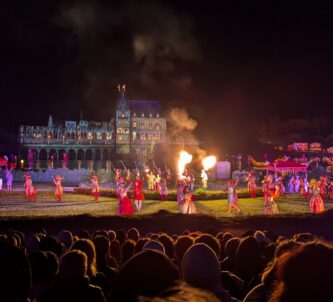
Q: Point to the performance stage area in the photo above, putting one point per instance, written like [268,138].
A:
[77,212]
[13,204]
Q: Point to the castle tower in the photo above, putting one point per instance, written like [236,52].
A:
[50,123]
[123,122]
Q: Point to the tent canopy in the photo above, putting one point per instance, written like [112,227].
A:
[287,166]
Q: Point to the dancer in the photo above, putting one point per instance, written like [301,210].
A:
[30,191]
[137,193]
[270,207]
[251,185]
[204,179]
[9,177]
[301,186]
[157,181]
[235,191]
[279,188]
[188,206]
[151,181]
[125,204]
[322,187]
[316,201]
[117,176]
[95,187]
[297,184]
[164,189]
[128,175]
[191,181]
[58,187]
[291,185]
[231,196]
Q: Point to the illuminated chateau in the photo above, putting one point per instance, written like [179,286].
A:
[137,126]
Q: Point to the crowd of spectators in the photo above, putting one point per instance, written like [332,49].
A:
[120,265]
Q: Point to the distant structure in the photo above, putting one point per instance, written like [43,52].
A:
[137,126]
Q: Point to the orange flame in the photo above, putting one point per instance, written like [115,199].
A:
[184,158]
[209,162]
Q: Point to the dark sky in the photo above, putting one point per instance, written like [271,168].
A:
[231,64]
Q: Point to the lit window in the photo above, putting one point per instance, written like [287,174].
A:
[142,114]
[157,115]
[150,115]
[134,124]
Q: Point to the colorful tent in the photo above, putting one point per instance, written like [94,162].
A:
[287,166]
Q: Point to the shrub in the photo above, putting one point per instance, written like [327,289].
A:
[199,194]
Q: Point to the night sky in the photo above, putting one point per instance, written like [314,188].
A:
[231,64]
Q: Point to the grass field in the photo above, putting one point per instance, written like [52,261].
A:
[78,212]
[15,205]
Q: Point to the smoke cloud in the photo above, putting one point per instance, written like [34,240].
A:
[180,119]
[180,130]
[154,42]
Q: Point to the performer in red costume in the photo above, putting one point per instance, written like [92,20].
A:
[125,204]
[95,187]
[30,191]
[137,192]
[58,187]
[322,186]
[251,185]
[316,201]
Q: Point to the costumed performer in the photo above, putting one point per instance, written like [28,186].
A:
[117,176]
[322,187]
[9,177]
[157,183]
[58,187]
[128,175]
[30,191]
[137,193]
[95,187]
[306,187]
[316,201]
[188,206]
[125,204]
[164,189]
[231,196]
[291,185]
[297,184]
[251,185]
[204,179]
[151,181]
[279,188]
[270,207]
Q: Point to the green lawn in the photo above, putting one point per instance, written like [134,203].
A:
[13,204]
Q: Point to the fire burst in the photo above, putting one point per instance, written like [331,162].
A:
[184,158]
[209,162]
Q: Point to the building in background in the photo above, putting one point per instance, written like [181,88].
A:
[138,125]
